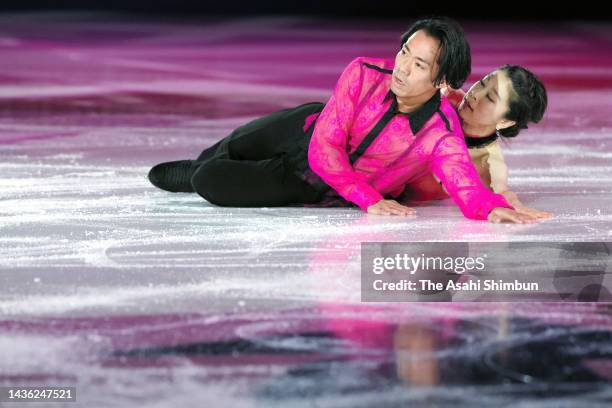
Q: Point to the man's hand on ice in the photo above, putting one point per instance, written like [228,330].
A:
[501,214]
[521,208]
[390,207]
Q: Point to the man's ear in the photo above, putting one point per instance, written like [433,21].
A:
[442,84]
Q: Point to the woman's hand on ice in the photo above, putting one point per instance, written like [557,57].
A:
[390,207]
[501,214]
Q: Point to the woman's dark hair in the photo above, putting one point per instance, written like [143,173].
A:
[454,60]
[530,101]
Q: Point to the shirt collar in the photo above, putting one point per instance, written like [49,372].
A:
[419,117]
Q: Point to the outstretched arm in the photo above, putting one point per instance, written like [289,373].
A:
[450,162]
[499,182]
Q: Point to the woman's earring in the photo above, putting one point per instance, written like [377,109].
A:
[497,129]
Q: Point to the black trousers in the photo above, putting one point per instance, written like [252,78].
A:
[253,166]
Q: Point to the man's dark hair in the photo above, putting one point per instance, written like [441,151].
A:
[529,103]
[454,59]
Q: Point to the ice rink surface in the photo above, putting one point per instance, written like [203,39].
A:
[139,296]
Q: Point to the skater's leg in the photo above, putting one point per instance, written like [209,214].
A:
[260,139]
[263,137]
[210,151]
[250,183]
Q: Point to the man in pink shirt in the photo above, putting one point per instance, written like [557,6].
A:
[385,125]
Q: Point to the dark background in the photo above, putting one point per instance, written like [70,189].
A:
[493,10]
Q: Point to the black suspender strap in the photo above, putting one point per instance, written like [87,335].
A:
[369,139]
[446,122]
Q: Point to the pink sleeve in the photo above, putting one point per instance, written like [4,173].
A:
[327,152]
[450,162]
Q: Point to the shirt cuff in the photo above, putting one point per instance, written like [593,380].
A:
[497,200]
[364,196]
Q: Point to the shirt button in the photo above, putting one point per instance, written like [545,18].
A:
[372,106]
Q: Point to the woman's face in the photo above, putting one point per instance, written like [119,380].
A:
[486,103]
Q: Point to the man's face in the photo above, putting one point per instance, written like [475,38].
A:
[416,66]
